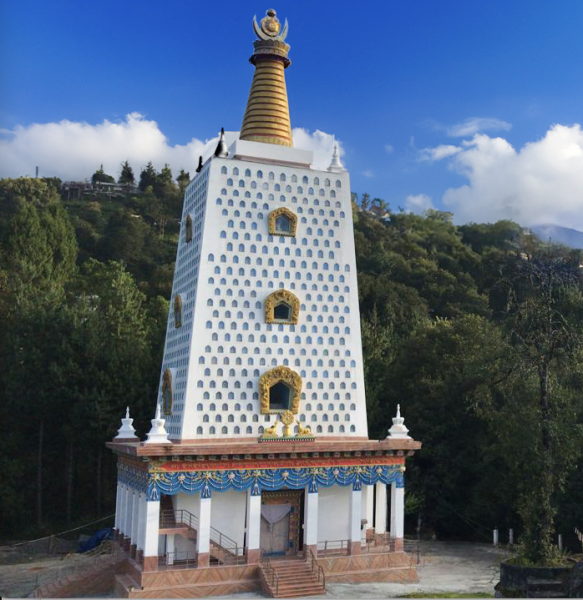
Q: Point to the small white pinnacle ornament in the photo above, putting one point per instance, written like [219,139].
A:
[398,430]
[335,165]
[126,431]
[158,434]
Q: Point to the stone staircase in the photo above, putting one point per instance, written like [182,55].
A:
[292,578]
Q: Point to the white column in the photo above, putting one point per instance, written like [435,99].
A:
[380,521]
[129,508]
[152,519]
[135,517]
[369,507]
[311,519]
[142,521]
[170,549]
[117,504]
[397,510]
[123,509]
[253,521]
[203,537]
[355,515]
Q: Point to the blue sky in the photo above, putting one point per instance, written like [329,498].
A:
[392,80]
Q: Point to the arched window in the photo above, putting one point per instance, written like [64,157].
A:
[177,311]
[188,229]
[280,390]
[282,221]
[167,392]
[282,307]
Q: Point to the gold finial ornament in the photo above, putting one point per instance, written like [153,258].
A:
[266,117]
[287,418]
[270,27]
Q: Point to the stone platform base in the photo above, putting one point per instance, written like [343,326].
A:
[395,567]
[132,582]
[187,583]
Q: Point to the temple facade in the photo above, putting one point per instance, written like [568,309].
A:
[258,470]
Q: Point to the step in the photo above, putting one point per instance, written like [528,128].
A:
[294,577]
[303,591]
[127,582]
[300,594]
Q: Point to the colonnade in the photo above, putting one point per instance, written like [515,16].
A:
[137,523]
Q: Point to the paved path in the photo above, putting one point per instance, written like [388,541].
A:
[463,568]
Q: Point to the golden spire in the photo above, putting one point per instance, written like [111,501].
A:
[267,114]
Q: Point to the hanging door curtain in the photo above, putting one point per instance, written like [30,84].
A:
[273,513]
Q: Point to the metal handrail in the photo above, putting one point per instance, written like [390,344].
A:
[342,546]
[316,566]
[178,560]
[184,517]
[270,571]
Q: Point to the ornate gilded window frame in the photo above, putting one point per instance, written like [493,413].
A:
[177,311]
[290,215]
[278,297]
[273,376]
[167,387]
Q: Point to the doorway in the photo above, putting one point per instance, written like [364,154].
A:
[281,522]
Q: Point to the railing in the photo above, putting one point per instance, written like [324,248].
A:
[178,560]
[334,547]
[412,547]
[225,543]
[270,574]
[317,568]
[381,542]
[232,552]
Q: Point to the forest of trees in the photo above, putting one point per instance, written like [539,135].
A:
[475,330]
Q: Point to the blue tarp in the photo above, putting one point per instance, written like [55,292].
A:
[96,539]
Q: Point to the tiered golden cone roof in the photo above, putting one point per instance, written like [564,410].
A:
[267,114]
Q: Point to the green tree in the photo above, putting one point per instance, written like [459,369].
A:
[437,376]
[148,177]
[14,193]
[127,174]
[101,177]
[183,180]
[541,433]
[365,201]
[40,250]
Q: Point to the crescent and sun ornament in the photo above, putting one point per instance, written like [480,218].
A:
[270,27]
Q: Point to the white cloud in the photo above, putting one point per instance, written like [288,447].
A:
[368,173]
[73,151]
[540,183]
[388,148]
[438,153]
[418,203]
[320,143]
[474,125]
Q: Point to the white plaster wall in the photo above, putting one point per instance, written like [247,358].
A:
[333,513]
[184,546]
[223,284]
[189,502]
[228,514]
